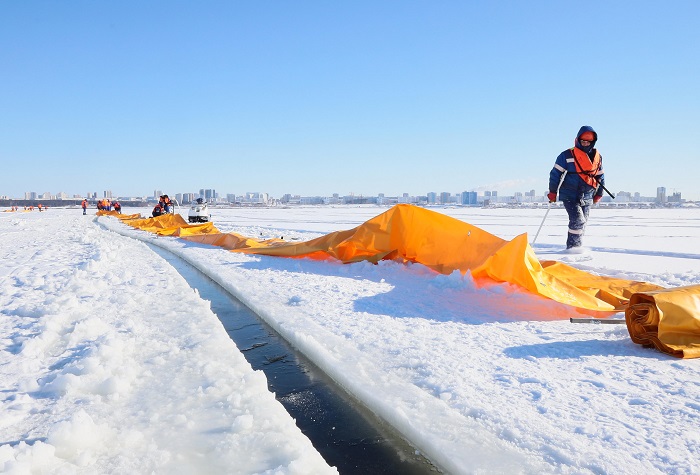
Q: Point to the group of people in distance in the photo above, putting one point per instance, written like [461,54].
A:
[164,206]
[104,205]
[40,207]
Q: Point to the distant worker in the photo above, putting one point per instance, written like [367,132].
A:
[577,177]
[157,210]
[117,207]
[84,204]
[166,203]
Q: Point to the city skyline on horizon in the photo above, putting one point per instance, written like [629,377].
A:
[203,193]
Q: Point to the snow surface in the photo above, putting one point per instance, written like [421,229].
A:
[112,364]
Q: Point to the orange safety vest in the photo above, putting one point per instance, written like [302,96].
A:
[586,169]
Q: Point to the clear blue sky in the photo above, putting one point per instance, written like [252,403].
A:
[363,97]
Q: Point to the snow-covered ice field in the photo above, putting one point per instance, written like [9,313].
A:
[110,363]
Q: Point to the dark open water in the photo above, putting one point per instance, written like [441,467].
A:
[348,436]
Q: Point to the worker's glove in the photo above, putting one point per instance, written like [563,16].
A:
[596,199]
[552,197]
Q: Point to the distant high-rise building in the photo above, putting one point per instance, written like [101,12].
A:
[256,197]
[188,197]
[661,194]
[107,194]
[623,197]
[445,197]
[432,198]
[468,198]
[157,194]
[208,194]
[675,197]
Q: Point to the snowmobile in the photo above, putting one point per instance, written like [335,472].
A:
[199,212]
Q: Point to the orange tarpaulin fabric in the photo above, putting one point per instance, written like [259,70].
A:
[447,244]
[667,319]
[616,292]
[233,241]
[103,212]
[164,225]
[195,229]
[159,224]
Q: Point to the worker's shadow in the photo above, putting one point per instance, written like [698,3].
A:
[577,349]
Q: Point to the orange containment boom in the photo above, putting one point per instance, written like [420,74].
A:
[667,319]
[446,244]
[163,225]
